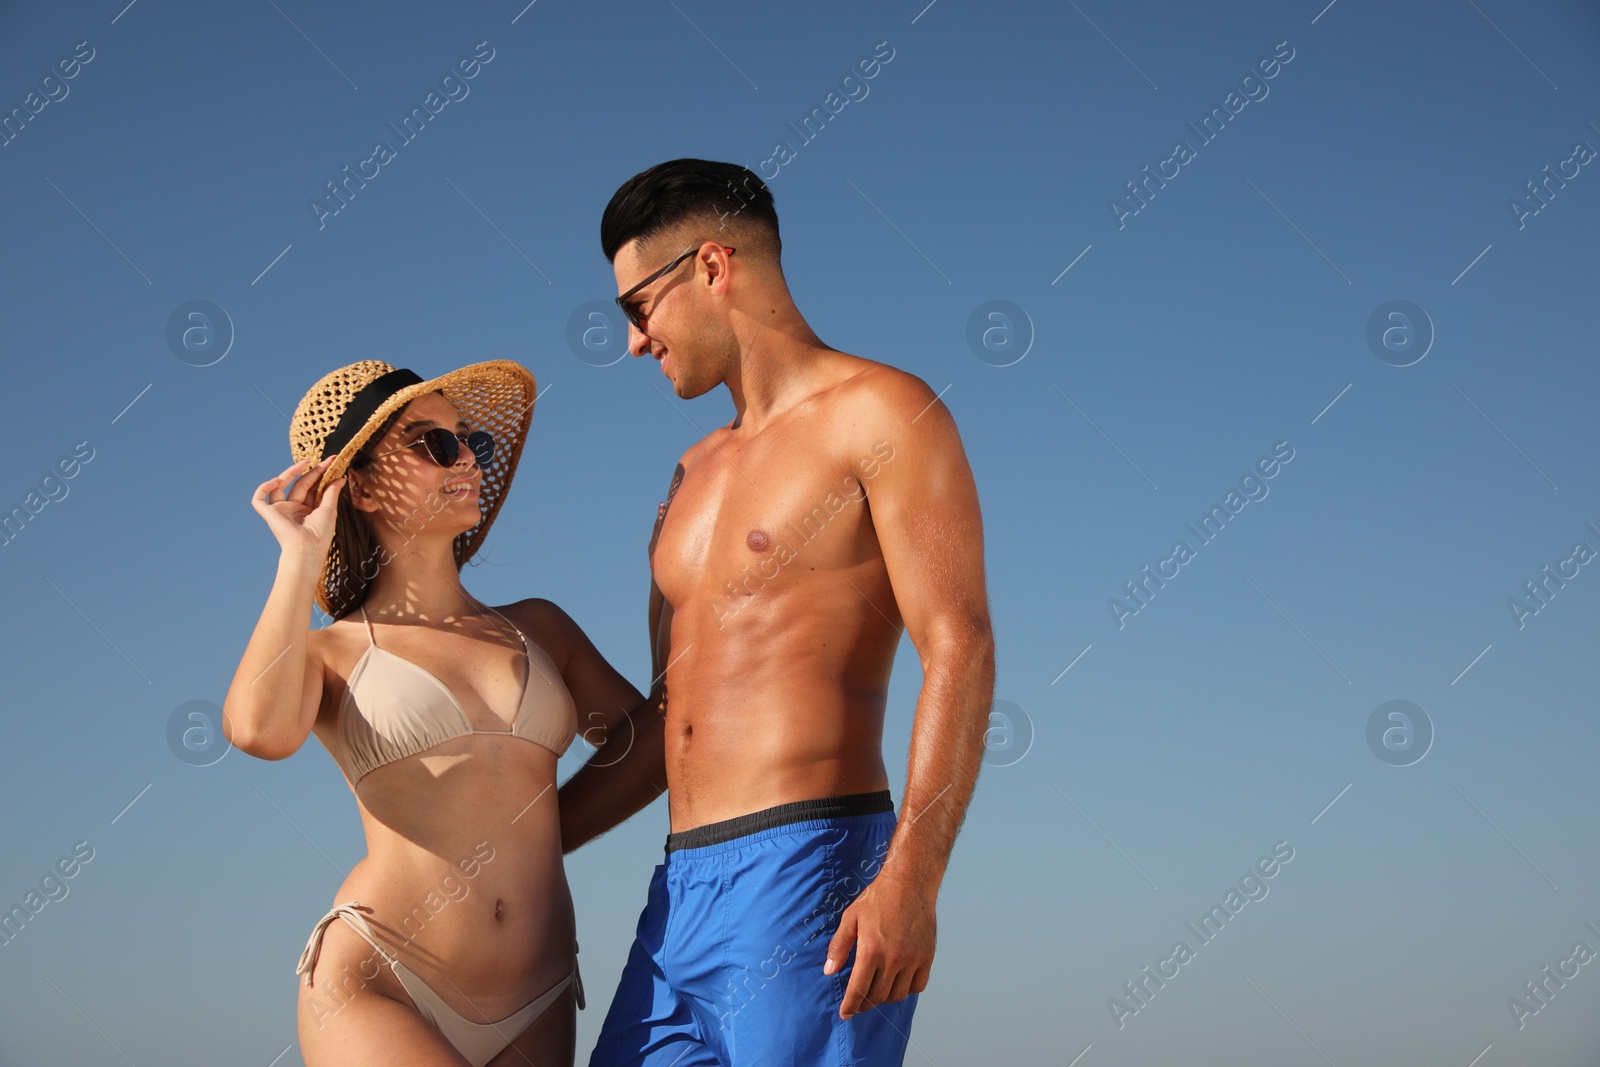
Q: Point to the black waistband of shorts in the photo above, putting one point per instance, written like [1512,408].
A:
[716,833]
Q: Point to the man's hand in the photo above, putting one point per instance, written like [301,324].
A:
[892,926]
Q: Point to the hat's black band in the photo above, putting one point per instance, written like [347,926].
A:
[363,404]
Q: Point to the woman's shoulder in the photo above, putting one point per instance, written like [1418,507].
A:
[539,613]
[545,623]
[336,647]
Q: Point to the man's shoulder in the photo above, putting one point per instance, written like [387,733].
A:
[878,393]
[690,454]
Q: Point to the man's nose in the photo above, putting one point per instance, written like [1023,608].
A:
[638,343]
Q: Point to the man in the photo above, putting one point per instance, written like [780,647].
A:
[795,544]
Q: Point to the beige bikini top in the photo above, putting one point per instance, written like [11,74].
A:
[393,708]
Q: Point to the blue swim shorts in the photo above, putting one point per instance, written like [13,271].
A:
[726,968]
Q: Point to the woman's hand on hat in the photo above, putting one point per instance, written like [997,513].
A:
[298,526]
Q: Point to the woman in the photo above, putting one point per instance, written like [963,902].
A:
[456,941]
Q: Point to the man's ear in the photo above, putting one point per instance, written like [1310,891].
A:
[717,268]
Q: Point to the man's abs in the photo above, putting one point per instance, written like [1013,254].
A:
[783,623]
[775,708]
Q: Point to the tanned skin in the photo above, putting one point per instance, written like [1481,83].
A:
[796,543]
[463,875]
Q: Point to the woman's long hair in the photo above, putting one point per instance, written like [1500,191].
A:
[353,537]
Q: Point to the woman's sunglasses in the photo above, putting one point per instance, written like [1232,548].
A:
[444,446]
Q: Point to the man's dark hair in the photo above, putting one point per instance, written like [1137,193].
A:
[722,195]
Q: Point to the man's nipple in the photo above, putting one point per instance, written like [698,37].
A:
[757,540]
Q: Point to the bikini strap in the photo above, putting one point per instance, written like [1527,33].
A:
[370,639]
[513,625]
[356,921]
[527,649]
[577,977]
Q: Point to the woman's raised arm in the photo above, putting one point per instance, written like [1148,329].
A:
[273,699]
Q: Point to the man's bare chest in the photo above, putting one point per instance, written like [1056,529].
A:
[764,517]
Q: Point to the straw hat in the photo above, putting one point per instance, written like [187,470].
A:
[341,412]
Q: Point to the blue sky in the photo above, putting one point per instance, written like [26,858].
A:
[1167,351]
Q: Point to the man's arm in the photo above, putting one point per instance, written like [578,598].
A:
[924,508]
[625,729]
[628,770]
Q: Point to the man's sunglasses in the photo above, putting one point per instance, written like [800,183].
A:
[629,311]
[444,446]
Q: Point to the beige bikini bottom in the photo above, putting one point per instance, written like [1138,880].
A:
[478,1042]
